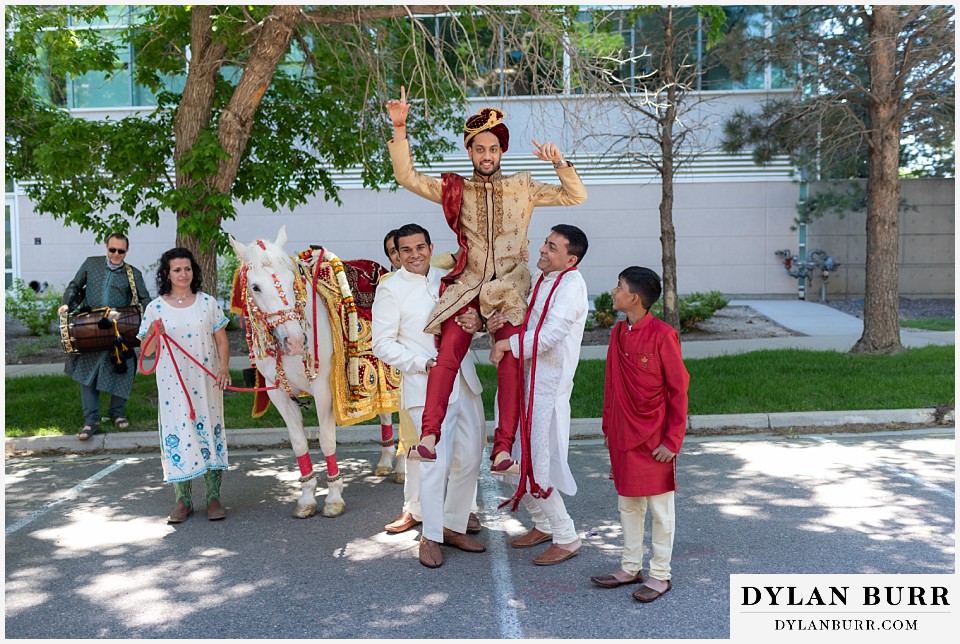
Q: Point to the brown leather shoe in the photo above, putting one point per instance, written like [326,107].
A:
[401,524]
[646,594]
[215,511]
[609,581]
[554,555]
[462,541]
[180,513]
[532,538]
[430,555]
[473,524]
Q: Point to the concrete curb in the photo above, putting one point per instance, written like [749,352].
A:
[580,429]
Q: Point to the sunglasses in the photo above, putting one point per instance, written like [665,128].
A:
[121,251]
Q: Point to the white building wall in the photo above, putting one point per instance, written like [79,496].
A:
[726,233]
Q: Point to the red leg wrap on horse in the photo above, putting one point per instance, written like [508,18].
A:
[508,396]
[332,469]
[306,465]
[386,432]
[454,343]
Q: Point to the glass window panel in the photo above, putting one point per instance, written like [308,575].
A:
[95,89]
[52,89]
[718,65]
[480,75]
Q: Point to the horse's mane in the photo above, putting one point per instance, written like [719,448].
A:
[272,254]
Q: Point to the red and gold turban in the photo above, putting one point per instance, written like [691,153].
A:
[490,120]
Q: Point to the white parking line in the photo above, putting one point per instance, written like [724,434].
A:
[66,496]
[507,615]
[904,474]
[913,478]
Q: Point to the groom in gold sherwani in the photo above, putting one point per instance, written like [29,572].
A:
[490,214]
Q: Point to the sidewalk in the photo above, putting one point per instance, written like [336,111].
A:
[825,329]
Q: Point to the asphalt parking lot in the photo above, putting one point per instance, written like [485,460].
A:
[88,554]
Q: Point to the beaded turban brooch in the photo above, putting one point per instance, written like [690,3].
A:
[490,120]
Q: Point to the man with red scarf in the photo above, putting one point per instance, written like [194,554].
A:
[549,345]
[644,421]
[490,214]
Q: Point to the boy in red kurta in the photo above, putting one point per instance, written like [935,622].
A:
[644,421]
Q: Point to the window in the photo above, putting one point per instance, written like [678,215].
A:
[8,265]
[101,89]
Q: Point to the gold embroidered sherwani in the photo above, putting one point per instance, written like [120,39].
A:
[494,217]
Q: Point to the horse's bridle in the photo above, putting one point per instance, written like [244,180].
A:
[271,320]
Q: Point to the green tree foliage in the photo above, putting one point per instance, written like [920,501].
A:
[869,78]
[321,113]
[274,102]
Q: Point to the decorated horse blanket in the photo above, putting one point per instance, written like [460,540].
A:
[362,385]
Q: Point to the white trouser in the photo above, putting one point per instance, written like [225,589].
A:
[433,475]
[550,516]
[468,438]
[411,482]
[633,511]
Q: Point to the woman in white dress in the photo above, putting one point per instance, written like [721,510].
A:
[192,437]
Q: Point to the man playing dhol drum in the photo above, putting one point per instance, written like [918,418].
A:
[104,282]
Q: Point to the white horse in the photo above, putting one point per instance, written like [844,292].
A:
[283,335]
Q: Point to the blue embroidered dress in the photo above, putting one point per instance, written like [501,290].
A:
[189,447]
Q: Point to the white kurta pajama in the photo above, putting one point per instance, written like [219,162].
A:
[439,493]
[558,352]
[189,447]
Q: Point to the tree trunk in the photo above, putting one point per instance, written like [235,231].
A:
[193,115]
[668,236]
[236,120]
[881,304]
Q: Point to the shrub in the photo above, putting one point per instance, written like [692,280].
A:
[34,311]
[694,308]
[604,315]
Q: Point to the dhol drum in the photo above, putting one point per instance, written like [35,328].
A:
[85,333]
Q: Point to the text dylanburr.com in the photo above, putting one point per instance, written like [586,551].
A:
[843,608]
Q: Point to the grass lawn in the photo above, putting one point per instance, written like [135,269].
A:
[929,324]
[762,381]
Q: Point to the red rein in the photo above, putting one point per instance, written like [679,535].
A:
[166,339]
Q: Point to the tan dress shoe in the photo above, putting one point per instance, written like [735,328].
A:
[554,555]
[462,541]
[473,524]
[532,538]
[611,581]
[180,513]
[646,594]
[401,524]
[430,555]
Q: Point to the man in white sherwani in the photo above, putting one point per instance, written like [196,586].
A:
[559,301]
[446,486]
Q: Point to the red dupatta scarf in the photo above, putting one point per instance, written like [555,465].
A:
[527,480]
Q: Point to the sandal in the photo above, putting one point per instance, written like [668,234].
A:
[88,431]
[122,422]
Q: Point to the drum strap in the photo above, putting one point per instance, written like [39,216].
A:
[133,286]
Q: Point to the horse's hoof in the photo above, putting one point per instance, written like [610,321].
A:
[399,477]
[382,471]
[332,509]
[304,511]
